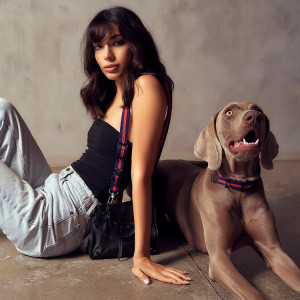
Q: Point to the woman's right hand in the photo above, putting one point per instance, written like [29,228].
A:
[144,269]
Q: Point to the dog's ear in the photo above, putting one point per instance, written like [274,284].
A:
[269,148]
[208,147]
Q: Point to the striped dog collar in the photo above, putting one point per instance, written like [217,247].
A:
[238,185]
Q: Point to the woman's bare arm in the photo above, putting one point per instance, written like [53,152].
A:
[148,113]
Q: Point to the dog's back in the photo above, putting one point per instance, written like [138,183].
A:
[173,177]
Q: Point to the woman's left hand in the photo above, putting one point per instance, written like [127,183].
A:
[144,268]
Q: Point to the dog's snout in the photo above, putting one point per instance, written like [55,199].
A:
[251,117]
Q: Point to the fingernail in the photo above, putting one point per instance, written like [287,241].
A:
[146,281]
[186,282]
[188,278]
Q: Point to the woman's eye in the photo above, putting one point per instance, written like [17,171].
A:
[97,47]
[118,43]
[229,113]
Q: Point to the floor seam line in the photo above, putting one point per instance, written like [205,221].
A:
[209,281]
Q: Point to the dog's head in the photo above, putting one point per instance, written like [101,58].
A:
[240,130]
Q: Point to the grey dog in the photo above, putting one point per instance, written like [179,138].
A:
[214,219]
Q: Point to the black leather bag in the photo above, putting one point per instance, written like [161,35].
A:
[112,232]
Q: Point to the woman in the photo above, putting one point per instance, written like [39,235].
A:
[48,214]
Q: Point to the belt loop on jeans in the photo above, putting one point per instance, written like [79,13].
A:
[92,207]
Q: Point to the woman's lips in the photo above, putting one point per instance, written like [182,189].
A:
[111,68]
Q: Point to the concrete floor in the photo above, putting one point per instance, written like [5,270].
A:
[75,276]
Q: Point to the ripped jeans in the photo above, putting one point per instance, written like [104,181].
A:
[43,214]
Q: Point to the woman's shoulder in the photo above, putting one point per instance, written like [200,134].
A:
[147,79]
[148,84]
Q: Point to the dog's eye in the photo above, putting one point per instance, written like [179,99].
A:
[228,113]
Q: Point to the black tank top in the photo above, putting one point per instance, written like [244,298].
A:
[96,165]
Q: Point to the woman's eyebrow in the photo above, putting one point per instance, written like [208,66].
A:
[114,36]
[111,38]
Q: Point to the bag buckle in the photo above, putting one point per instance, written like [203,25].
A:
[111,197]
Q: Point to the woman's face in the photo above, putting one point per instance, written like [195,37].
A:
[113,54]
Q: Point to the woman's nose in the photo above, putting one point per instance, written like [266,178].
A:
[108,54]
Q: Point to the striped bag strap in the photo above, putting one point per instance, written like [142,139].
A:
[123,144]
[121,155]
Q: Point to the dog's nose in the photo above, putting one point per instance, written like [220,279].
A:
[251,117]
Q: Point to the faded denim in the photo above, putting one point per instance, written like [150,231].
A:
[43,214]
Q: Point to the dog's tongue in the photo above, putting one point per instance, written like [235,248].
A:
[238,144]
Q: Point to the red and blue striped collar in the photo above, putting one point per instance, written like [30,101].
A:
[238,185]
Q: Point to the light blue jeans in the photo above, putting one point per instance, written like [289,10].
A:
[43,214]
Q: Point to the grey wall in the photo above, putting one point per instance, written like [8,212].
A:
[216,51]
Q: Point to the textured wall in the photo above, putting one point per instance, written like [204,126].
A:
[215,50]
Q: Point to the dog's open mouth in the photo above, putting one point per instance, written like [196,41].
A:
[249,142]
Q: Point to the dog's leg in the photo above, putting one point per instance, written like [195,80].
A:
[246,240]
[219,238]
[261,227]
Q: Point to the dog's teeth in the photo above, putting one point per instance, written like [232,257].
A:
[245,141]
[256,141]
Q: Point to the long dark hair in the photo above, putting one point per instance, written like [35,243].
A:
[98,92]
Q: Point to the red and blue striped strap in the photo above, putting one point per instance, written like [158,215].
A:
[232,184]
[121,153]
[123,144]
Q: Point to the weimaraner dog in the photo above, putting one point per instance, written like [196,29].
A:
[216,207]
